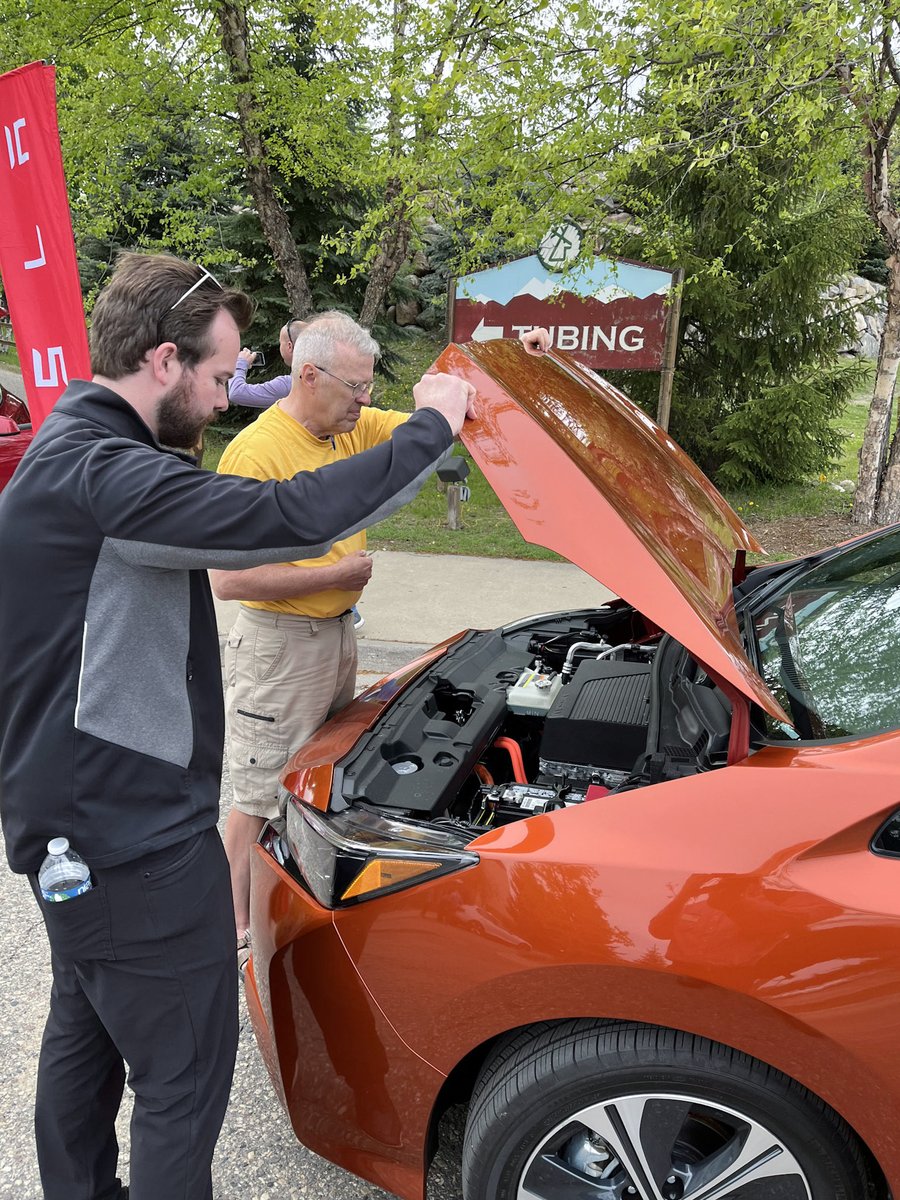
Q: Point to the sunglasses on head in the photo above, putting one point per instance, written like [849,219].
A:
[203,278]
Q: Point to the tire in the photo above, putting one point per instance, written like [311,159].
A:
[584,1110]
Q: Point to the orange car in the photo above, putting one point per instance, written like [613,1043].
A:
[627,881]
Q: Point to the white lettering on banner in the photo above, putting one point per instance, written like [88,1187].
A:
[56,366]
[567,337]
[41,260]
[17,156]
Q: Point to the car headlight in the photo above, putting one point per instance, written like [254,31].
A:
[359,854]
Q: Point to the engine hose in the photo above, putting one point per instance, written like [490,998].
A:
[515,753]
[484,775]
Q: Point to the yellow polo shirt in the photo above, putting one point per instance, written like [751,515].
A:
[276,446]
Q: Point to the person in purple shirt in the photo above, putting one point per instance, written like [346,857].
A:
[262,395]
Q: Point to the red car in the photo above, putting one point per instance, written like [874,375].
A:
[15,433]
[625,880]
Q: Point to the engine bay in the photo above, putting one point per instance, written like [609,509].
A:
[536,716]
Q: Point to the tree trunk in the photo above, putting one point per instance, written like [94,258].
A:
[878,426]
[887,508]
[395,230]
[276,227]
[867,503]
[390,258]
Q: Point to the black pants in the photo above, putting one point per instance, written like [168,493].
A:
[143,971]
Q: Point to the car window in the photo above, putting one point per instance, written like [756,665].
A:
[828,645]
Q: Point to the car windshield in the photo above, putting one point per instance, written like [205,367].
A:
[828,645]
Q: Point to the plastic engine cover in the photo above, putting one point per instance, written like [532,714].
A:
[600,718]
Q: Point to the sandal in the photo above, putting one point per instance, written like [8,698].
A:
[243,951]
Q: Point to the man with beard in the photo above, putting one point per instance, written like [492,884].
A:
[111,716]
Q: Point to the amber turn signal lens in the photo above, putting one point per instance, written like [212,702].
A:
[388,872]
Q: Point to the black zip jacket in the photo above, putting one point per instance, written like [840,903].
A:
[111,715]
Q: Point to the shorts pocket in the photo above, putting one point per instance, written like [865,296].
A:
[255,771]
[268,651]
[229,658]
[78,929]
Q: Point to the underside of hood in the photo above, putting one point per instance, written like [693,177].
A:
[583,471]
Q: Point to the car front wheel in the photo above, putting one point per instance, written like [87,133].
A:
[583,1110]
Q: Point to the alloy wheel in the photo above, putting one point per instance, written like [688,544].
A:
[654,1146]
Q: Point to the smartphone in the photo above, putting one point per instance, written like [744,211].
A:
[260,360]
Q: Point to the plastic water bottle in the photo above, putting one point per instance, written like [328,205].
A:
[63,874]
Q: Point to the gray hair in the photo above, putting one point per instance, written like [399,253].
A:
[323,337]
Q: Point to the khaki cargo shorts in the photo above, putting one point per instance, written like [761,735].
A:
[284,677]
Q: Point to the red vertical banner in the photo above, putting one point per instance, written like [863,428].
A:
[37,250]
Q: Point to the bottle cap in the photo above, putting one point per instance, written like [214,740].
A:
[58,845]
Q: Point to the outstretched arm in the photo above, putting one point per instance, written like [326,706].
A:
[255,395]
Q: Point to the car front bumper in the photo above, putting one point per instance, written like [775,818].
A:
[354,1091]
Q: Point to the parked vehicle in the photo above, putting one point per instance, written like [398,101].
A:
[625,880]
[15,433]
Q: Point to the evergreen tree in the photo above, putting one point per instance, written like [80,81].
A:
[759,375]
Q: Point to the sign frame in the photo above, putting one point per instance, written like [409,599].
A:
[667,332]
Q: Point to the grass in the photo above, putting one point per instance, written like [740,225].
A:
[217,438]
[421,527]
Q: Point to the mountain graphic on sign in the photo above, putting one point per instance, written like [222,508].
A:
[551,289]
[602,279]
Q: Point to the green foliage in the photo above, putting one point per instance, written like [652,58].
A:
[786,432]
[469,129]
[873,263]
[379,113]
[758,373]
[312,213]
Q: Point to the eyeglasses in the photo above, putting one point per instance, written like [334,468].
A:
[203,278]
[301,321]
[356,389]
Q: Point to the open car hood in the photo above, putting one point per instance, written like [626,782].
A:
[585,472]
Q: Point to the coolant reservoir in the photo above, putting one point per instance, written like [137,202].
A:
[533,693]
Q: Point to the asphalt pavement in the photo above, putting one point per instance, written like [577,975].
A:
[412,601]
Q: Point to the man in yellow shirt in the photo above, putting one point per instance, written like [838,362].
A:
[290,659]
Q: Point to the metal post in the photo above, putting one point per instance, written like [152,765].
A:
[667,374]
[454,519]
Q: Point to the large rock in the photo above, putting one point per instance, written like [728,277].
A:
[406,312]
[868,346]
[431,316]
[866,300]
[420,263]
